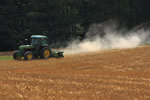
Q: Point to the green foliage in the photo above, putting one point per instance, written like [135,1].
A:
[62,20]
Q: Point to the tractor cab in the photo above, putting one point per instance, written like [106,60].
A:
[39,40]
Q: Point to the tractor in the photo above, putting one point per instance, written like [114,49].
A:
[39,48]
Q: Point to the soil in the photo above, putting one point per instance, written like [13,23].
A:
[118,74]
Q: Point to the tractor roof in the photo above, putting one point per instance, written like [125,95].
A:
[38,36]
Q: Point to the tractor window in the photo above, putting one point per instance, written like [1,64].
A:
[44,41]
[36,41]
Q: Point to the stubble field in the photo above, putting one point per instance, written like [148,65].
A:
[107,75]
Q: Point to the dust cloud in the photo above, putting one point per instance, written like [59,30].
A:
[108,35]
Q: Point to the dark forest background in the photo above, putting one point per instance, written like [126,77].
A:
[62,20]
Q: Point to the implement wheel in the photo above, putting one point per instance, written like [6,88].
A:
[15,55]
[28,55]
[45,53]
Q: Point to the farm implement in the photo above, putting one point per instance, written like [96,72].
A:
[39,48]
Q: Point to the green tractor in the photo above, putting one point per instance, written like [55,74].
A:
[39,48]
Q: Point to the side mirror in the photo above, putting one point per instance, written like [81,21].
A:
[26,41]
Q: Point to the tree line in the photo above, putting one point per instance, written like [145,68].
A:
[62,20]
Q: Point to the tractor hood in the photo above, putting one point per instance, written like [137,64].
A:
[26,46]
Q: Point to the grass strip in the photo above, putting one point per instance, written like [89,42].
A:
[6,57]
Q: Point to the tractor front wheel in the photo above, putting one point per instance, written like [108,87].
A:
[15,56]
[28,55]
[45,53]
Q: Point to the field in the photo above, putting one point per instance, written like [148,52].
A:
[118,74]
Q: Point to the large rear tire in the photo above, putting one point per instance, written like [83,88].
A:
[45,53]
[28,55]
[15,55]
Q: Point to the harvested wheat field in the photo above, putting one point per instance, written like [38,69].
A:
[107,75]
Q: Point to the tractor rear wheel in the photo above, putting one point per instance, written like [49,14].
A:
[45,53]
[15,55]
[28,55]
